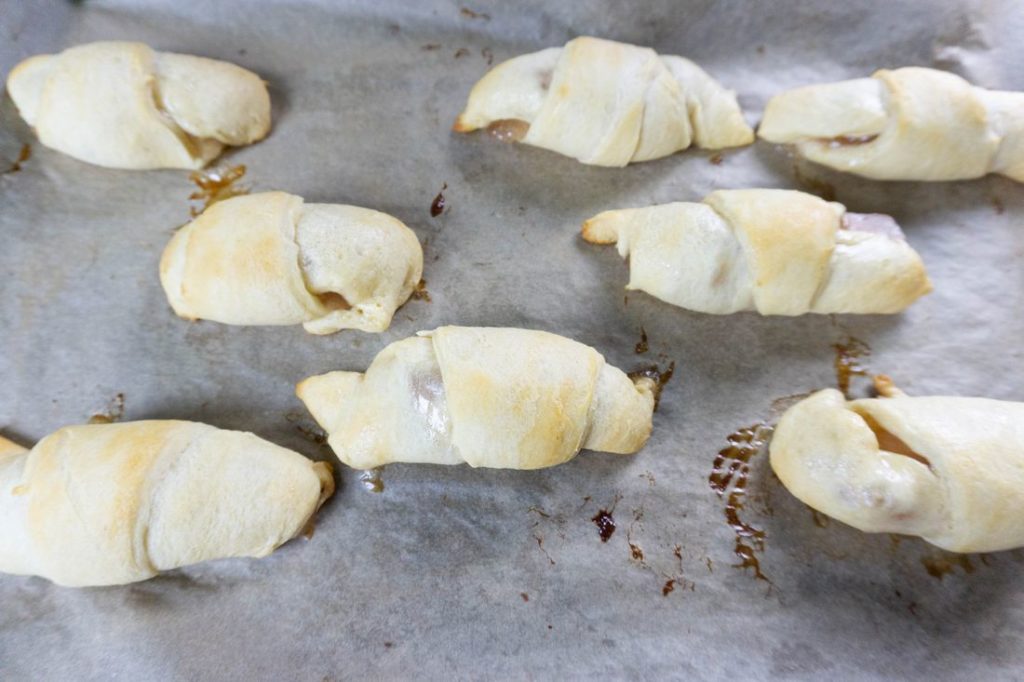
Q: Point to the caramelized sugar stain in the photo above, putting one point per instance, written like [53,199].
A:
[605,523]
[508,129]
[642,345]
[420,293]
[437,206]
[636,553]
[525,596]
[371,480]
[24,155]
[668,587]
[716,159]
[113,413]
[660,378]
[940,566]
[461,52]
[729,478]
[216,185]
[849,354]
[470,14]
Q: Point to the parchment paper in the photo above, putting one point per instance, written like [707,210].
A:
[478,574]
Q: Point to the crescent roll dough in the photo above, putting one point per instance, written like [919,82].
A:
[950,470]
[907,124]
[272,259]
[606,103]
[490,397]
[123,105]
[778,252]
[108,504]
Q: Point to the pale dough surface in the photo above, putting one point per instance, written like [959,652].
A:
[124,105]
[961,488]
[490,397]
[607,103]
[905,124]
[108,504]
[271,259]
[779,252]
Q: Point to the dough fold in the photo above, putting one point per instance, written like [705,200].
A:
[124,105]
[779,252]
[606,103]
[270,259]
[116,503]
[948,469]
[490,397]
[906,124]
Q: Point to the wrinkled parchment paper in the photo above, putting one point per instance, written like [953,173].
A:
[459,573]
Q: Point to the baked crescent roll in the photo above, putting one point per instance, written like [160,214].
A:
[605,103]
[107,504]
[272,259]
[948,469]
[907,124]
[778,252]
[490,397]
[124,105]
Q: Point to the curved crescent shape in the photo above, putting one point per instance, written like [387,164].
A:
[908,124]
[272,259]
[123,105]
[606,103]
[778,252]
[948,469]
[490,397]
[108,504]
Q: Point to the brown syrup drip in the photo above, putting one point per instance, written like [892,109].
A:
[605,523]
[850,140]
[716,159]
[470,14]
[216,185]
[371,480]
[659,378]
[437,206]
[508,130]
[420,293]
[940,566]
[635,552]
[525,596]
[729,477]
[847,363]
[642,346]
[461,52]
[113,413]
[668,587]
[24,155]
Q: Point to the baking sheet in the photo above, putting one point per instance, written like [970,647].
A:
[459,573]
